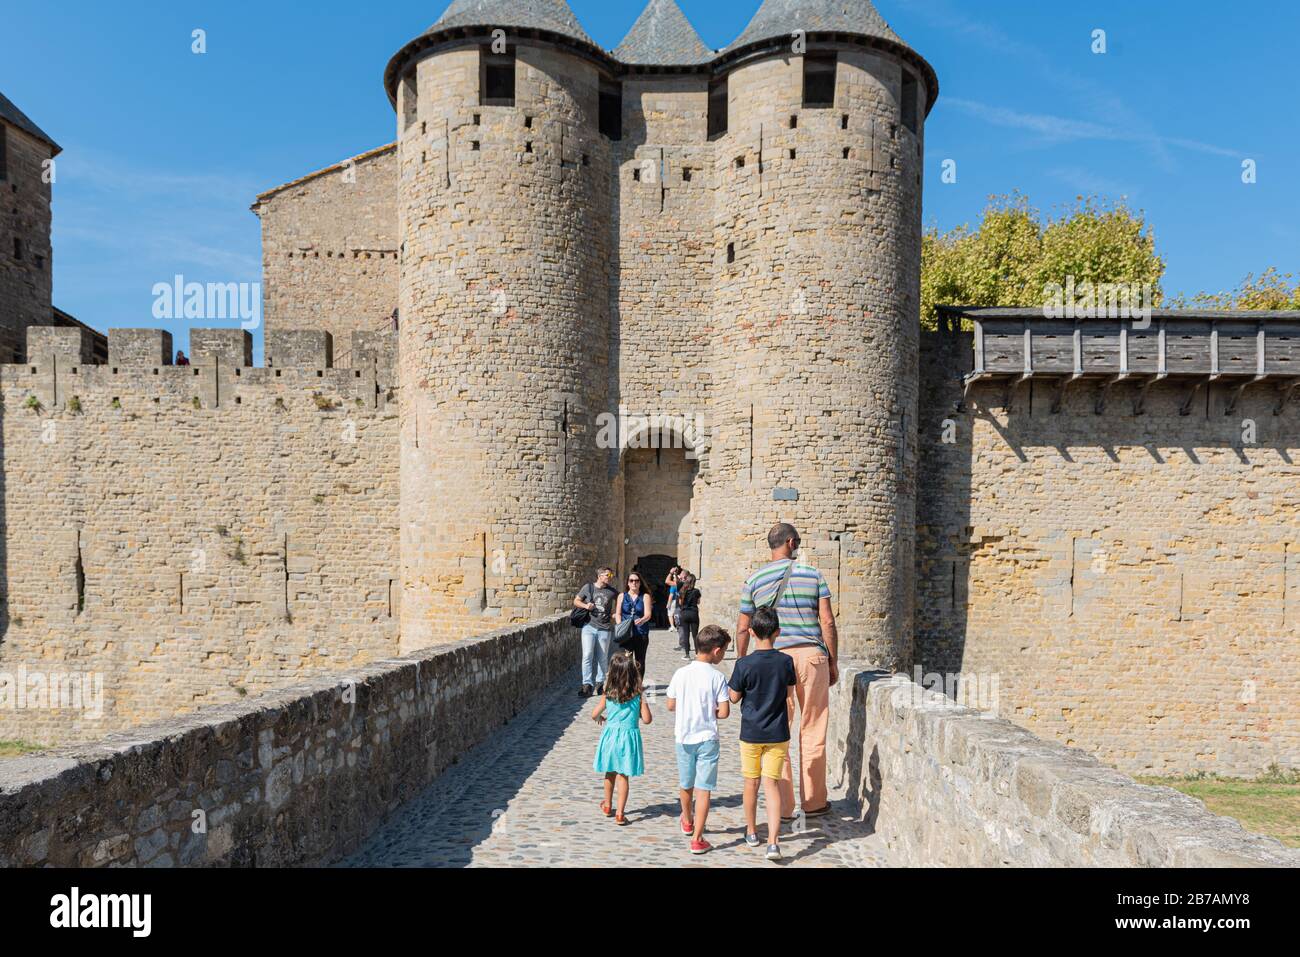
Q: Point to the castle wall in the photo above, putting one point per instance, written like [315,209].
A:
[26,284]
[190,534]
[661,297]
[1132,582]
[814,348]
[505,343]
[330,249]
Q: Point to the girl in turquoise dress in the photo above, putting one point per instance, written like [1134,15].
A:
[619,755]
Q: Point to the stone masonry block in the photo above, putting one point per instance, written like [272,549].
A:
[374,348]
[139,347]
[232,347]
[70,344]
[299,348]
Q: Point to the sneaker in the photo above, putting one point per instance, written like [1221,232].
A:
[701,847]
[584,691]
[753,841]
[687,828]
[687,658]
[773,851]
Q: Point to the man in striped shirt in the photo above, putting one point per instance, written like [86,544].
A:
[808,636]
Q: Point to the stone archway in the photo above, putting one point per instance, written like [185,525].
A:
[658,492]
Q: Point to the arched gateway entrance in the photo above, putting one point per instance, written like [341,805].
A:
[658,485]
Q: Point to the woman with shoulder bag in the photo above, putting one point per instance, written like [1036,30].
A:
[632,615]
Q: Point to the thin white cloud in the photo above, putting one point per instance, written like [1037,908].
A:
[1113,113]
[1063,130]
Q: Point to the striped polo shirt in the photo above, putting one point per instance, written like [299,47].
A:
[800,624]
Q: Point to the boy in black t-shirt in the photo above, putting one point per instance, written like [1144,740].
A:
[761,684]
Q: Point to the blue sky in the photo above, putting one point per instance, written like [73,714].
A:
[166,150]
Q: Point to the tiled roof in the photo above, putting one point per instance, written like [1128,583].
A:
[16,117]
[552,15]
[662,36]
[781,18]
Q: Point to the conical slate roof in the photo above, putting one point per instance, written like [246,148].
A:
[781,18]
[16,117]
[662,36]
[552,15]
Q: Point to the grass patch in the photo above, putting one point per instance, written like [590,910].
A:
[1268,805]
[16,749]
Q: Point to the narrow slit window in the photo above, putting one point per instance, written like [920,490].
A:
[410,100]
[717,108]
[909,107]
[819,80]
[497,79]
[4,152]
[611,110]
[731,252]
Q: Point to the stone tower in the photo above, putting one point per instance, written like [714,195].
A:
[816,307]
[730,238]
[504,336]
[26,266]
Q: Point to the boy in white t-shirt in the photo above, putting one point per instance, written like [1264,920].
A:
[698,696]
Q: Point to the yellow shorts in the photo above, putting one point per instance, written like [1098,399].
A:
[763,760]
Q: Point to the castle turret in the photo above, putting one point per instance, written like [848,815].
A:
[818,111]
[504,329]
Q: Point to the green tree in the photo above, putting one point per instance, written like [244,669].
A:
[1016,253]
[1269,290]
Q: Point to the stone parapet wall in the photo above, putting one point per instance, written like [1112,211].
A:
[300,776]
[949,786]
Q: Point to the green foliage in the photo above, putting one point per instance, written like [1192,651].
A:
[1269,290]
[33,404]
[1016,252]
[116,403]
[1276,774]
[16,749]
[74,405]
[197,403]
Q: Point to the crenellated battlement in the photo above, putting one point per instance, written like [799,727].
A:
[221,374]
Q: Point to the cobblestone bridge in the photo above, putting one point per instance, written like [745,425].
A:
[529,798]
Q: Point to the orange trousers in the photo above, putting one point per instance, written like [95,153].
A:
[812,690]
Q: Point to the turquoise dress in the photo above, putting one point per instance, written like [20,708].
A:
[620,749]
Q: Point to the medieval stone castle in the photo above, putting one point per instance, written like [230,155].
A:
[724,241]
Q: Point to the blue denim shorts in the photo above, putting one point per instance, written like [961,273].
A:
[697,765]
